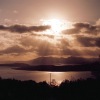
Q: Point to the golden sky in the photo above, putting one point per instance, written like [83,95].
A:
[58,28]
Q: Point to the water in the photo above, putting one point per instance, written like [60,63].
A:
[6,72]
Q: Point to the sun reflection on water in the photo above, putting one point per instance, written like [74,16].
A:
[40,76]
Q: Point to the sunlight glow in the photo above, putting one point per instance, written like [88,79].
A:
[57,25]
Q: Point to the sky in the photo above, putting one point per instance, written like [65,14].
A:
[27,30]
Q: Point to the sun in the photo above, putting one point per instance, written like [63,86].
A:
[57,25]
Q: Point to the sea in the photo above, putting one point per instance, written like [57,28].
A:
[39,76]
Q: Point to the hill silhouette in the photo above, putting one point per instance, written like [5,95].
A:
[11,89]
[57,64]
[56,61]
[62,68]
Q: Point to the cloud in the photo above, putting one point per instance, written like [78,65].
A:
[45,48]
[81,40]
[83,28]
[29,44]
[14,50]
[98,22]
[43,35]
[70,52]
[88,28]
[94,52]
[80,51]
[71,31]
[24,43]
[89,41]
[82,25]
[23,28]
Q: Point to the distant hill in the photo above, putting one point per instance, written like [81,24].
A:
[58,61]
[57,64]
[53,61]
[62,68]
[15,65]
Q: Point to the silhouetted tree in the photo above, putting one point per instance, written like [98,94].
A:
[11,89]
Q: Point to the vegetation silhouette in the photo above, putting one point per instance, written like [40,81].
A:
[11,89]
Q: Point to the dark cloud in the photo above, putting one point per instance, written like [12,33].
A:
[71,31]
[83,28]
[40,47]
[23,28]
[89,41]
[80,44]
[92,52]
[70,52]
[82,25]
[88,28]
[45,49]
[64,42]
[14,50]
[43,35]
[83,51]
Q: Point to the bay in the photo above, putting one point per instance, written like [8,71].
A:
[38,76]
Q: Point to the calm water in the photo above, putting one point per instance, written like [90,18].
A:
[38,76]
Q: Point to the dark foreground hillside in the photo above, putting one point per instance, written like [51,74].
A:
[30,90]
